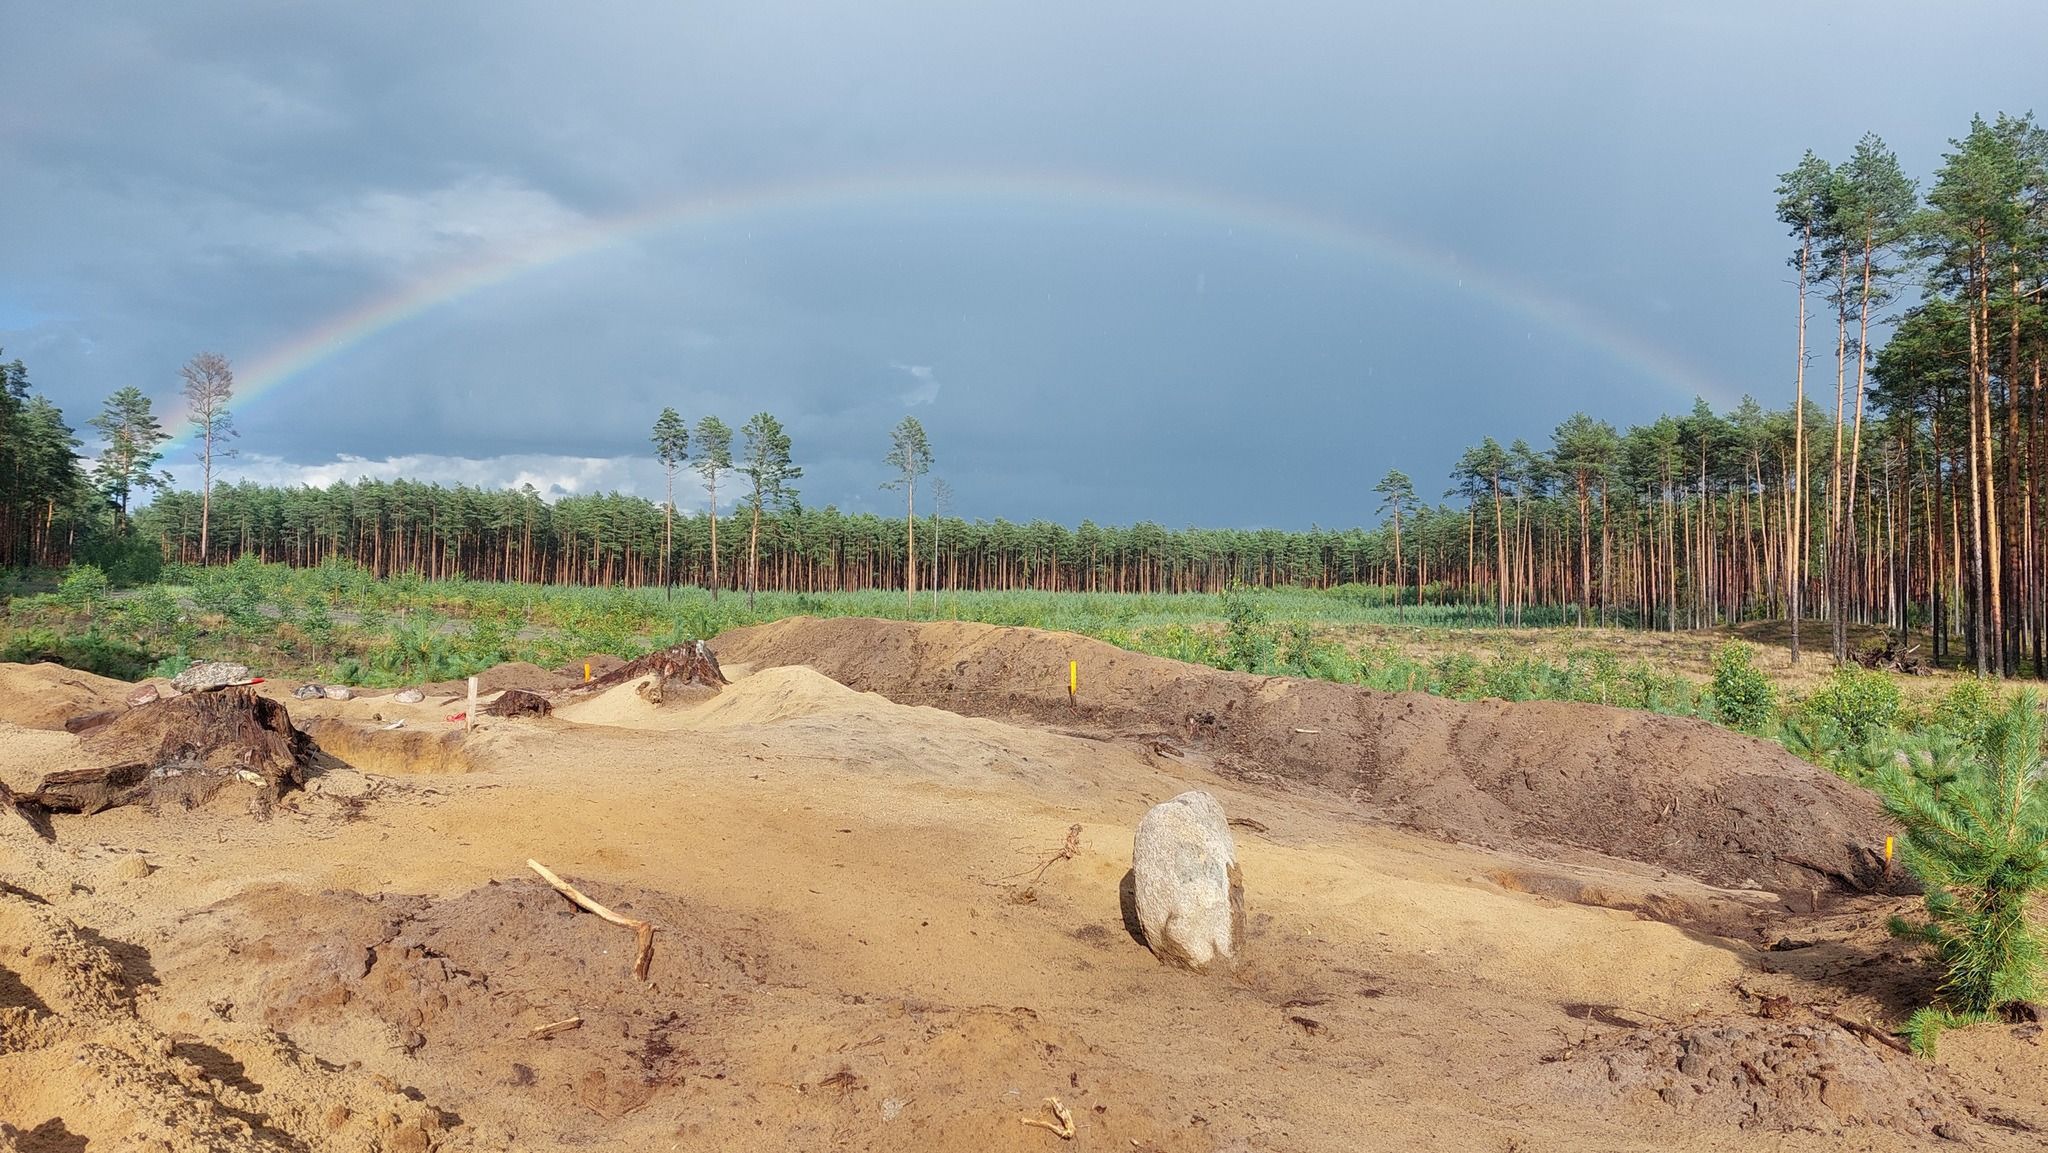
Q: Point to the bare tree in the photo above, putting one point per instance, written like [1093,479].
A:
[209,385]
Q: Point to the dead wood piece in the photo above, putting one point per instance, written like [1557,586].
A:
[541,1031]
[87,722]
[1865,1030]
[642,929]
[89,791]
[518,703]
[1064,1130]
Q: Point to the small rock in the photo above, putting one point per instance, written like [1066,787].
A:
[146,695]
[1189,893]
[309,692]
[340,693]
[409,696]
[133,867]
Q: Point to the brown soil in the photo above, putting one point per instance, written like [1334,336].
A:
[599,664]
[1811,1074]
[859,945]
[498,678]
[1683,794]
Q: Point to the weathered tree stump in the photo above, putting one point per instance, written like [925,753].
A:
[673,669]
[200,739]
[518,703]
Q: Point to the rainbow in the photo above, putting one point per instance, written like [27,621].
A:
[759,206]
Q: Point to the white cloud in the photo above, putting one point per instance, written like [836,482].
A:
[400,230]
[926,390]
[551,475]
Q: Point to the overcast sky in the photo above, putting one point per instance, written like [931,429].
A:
[1200,264]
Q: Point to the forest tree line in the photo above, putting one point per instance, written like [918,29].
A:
[1914,496]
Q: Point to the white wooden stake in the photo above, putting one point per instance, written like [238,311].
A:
[469,718]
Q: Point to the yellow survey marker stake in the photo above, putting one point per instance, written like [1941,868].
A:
[1073,683]
[586,672]
[1887,850]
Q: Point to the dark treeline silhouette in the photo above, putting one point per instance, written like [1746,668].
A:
[45,502]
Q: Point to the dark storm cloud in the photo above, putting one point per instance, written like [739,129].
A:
[233,176]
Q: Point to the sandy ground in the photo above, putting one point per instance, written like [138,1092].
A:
[855,949]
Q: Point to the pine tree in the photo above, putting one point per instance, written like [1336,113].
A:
[1583,449]
[1396,493]
[714,458]
[1802,207]
[910,454]
[209,385]
[1978,842]
[765,462]
[671,447]
[133,442]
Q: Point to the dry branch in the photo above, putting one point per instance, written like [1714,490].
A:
[1861,1029]
[642,929]
[540,1031]
[1064,1130]
[1065,852]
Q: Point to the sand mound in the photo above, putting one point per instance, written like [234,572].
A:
[1677,793]
[44,696]
[1787,1075]
[80,1068]
[785,694]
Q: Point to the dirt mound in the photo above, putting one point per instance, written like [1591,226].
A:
[80,1067]
[497,678]
[1787,1075]
[467,982]
[598,663]
[44,696]
[457,996]
[1677,793]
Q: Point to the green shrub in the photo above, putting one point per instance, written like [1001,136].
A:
[89,651]
[83,588]
[1860,702]
[1455,674]
[151,614]
[1966,710]
[1247,644]
[1979,847]
[1744,697]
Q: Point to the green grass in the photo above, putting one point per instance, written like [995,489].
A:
[338,623]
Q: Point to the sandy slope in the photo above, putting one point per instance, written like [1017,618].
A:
[852,953]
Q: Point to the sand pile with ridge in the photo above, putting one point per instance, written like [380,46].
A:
[1669,791]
